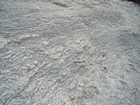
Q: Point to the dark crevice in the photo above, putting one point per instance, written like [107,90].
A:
[135,1]
[60,4]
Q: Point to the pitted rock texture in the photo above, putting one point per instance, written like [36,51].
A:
[69,52]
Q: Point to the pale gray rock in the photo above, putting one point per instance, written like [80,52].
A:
[69,52]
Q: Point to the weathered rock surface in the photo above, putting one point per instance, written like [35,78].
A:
[69,52]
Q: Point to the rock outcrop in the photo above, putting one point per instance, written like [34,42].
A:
[69,52]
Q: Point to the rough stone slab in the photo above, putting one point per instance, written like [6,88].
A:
[69,52]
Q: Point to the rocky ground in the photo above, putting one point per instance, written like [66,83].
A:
[69,52]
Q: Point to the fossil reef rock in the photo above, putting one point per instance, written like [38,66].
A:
[69,52]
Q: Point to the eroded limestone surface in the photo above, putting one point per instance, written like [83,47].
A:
[69,52]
